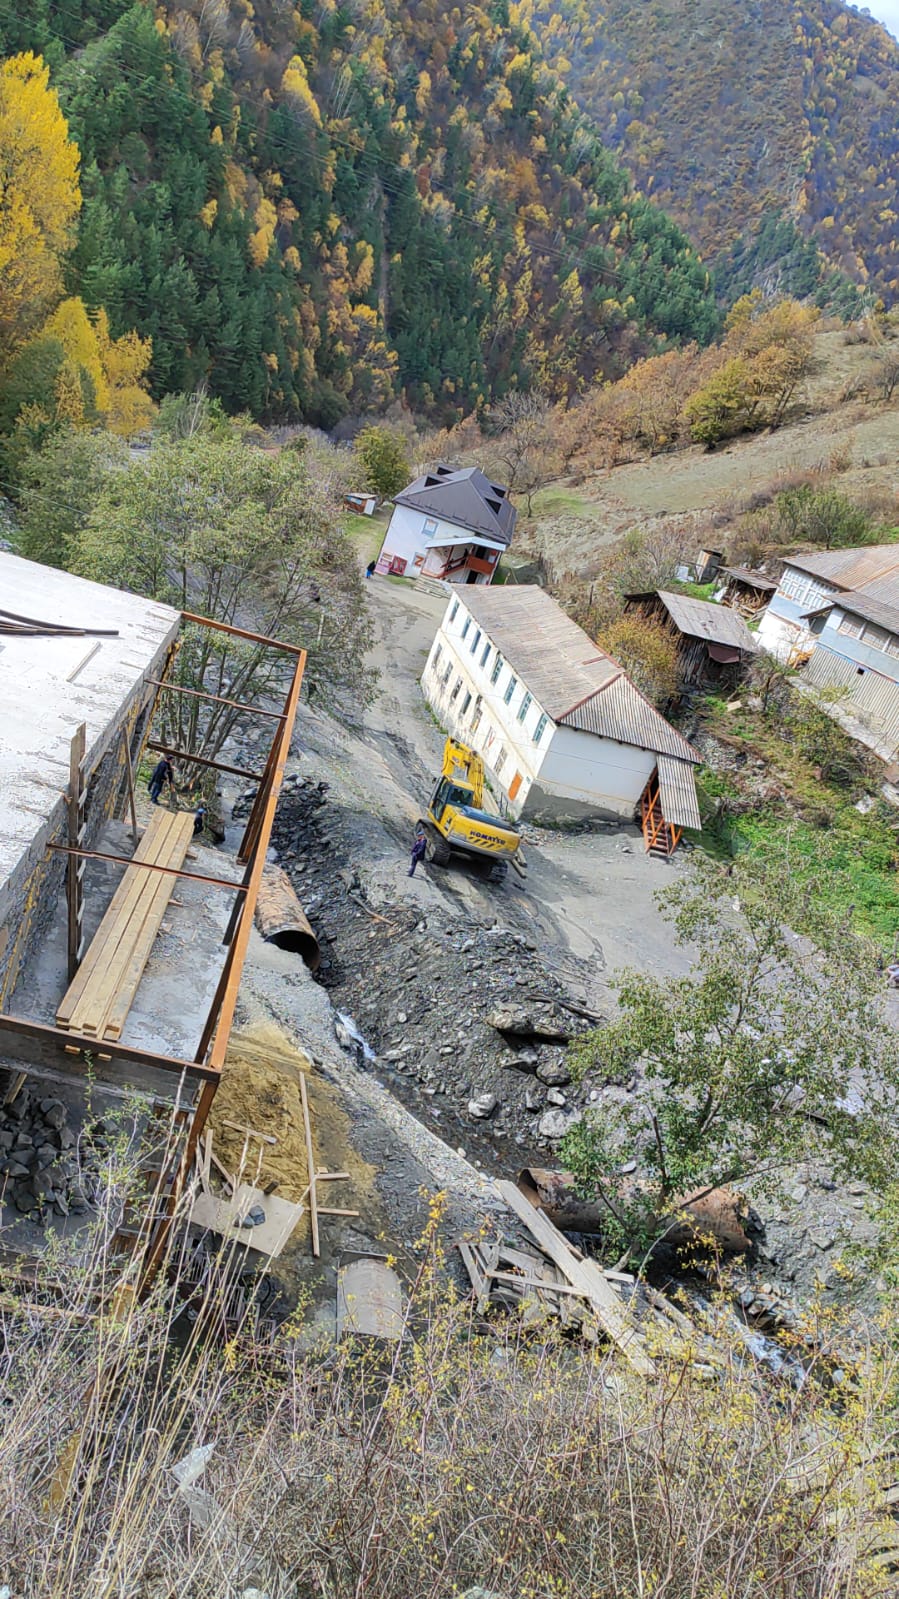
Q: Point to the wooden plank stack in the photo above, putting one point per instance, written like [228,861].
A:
[97,1001]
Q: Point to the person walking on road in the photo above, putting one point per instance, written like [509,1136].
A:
[163,775]
[370,569]
[418,848]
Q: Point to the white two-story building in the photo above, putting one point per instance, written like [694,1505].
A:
[562,730]
[449,524]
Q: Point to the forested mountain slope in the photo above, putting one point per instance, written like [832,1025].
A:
[323,206]
[731,112]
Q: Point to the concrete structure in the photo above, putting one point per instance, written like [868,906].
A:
[50,683]
[713,641]
[453,525]
[562,730]
[809,583]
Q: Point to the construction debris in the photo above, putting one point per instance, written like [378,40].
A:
[716,1215]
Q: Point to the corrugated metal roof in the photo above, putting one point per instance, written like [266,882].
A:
[466,497]
[861,604]
[677,792]
[557,660]
[715,624]
[574,681]
[849,569]
[620,712]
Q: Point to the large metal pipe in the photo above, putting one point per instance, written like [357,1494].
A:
[281,919]
[716,1214]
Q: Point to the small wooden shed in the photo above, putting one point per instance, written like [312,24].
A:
[713,641]
[745,591]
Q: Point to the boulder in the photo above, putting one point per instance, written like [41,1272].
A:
[529,1021]
[556,1123]
[554,1073]
[483,1106]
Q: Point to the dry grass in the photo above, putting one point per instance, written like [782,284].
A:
[461,1456]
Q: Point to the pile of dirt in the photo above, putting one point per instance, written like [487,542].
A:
[260,1090]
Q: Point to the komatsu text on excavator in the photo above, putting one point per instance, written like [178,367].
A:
[457,821]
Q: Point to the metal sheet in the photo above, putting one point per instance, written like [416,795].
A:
[621,713]
[715,624]
[677,792]
[872,698]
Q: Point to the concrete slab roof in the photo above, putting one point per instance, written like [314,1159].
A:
[50,685]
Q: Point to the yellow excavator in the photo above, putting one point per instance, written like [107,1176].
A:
[457,822]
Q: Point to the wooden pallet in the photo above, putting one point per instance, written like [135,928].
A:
[97,1001]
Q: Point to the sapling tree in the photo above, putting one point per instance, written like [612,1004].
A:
[772,1050]
[213,526]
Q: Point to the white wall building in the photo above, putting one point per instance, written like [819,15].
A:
[450,525]
[561,728]
[812,582]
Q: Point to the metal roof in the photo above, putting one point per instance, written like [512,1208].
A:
[620,711]
[849,569]
[753,580]
[864,605]
[574,681]
[714,624]
[466,498]
[677,793]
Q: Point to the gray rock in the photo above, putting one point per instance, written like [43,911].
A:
[483,1106]
[554,1073]
[533,1100]
[556,1123]
[55,1117]
[527,1021]
[556,1097]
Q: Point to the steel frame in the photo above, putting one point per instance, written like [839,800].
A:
[52,1049]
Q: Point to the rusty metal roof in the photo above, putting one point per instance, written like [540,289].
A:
[466,498]
[677,792]
[714,624]
[573,680]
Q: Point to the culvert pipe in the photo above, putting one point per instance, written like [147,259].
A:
[281,919]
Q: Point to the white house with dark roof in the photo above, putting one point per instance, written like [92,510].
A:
[449,524]
[562,730]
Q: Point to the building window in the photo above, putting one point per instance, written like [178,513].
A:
[486,653]
[448,673]
[538,730]
[524,707]
[438,651]
[852,626]
[476,641]
[465,704]
[500,761]
[512,686]
[466,625]
[476,714]
[430,526]
[456,687]
[497,668]
[452,615]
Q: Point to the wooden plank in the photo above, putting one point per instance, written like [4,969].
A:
[125,923]
[310,1159]
[129,781]
[147,849]
[583,1274]
[250,1131]
[157,905]
[478,1281]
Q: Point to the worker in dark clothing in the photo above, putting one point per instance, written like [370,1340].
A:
[370,569]
[163,774]
[418,848]
[199,819]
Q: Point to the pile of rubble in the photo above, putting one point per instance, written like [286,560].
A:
[40,1172]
